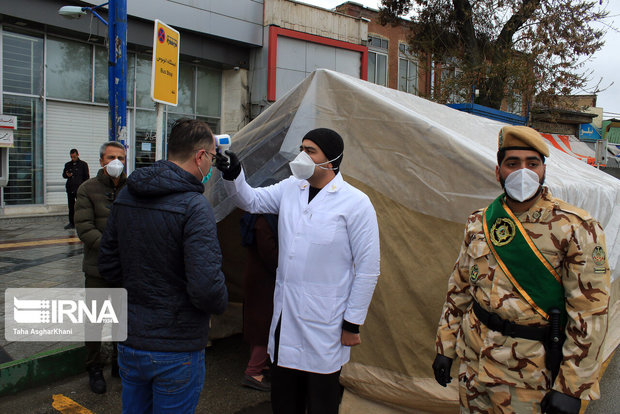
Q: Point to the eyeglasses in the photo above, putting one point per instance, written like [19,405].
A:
[213,155]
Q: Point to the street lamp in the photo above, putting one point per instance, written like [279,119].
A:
[117,61]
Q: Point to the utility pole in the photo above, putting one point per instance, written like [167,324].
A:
[117,70]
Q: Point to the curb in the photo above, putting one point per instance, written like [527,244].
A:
[41,369]
[29,218]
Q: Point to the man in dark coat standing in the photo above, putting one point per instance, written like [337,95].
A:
[94,201]
[161,245]
[75,172]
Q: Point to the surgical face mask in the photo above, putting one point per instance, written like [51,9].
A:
[206,177]
[522,184]
[302,166]
[114,168]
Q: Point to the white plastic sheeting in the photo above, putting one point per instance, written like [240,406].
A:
[425,167]
[432,159]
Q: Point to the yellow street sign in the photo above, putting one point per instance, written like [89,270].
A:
[165,74]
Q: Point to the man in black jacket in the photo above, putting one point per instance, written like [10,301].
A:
[75,172]
[161,245]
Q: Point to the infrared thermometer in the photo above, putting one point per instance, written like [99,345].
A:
[222,143]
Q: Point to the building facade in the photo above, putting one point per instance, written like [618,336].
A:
[53,77]
[390,62]
[236,58]
[299,38]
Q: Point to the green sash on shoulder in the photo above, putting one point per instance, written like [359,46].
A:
[519,258]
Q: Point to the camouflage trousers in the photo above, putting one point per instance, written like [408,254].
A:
[477,397]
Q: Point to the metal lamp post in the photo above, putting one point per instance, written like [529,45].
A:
[117,62]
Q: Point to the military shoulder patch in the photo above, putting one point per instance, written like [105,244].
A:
[598,255]
[474,273]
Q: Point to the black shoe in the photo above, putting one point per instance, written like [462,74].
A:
[69,226]
[251,382]
[96,380]
[114,369]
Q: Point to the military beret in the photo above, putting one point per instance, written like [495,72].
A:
[522,137]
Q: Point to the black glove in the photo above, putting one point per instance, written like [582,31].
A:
[441,366]
[558,403]
[230,169]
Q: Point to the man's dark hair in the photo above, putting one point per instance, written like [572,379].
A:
[187,137]
[501,154]
[74,151]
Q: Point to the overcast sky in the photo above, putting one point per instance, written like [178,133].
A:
[605,64]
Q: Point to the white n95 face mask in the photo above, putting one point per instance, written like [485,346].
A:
[302,166]
[114,168]
[522,184]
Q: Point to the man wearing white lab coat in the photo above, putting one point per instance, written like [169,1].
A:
[328,267]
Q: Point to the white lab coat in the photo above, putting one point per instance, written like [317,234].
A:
[328,265]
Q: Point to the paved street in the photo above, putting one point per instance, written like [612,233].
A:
[222,393]
[40,253]
[36,253]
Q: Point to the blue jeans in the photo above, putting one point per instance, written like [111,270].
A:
[160,382]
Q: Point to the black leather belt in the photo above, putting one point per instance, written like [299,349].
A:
[507,328]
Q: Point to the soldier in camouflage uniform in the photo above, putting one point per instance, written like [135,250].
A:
[501,372]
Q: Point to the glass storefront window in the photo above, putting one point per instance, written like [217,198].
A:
[78,71]
[209,92]
[26,157]
[185,104]
[213,123]
[146,126]
[101,75]
[143,83]
[131,80]
[69,69]
[22,63]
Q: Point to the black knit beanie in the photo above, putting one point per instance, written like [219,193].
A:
[329,142]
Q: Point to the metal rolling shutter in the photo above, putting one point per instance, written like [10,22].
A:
[68,125]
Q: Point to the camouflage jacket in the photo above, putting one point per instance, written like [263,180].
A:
[574,243]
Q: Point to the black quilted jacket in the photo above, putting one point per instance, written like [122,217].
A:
[160,244]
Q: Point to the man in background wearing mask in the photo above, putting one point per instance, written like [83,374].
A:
[92,207]
[328,265]
[161,245]
[527,302]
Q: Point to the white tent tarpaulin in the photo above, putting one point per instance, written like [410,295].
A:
[426,167]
